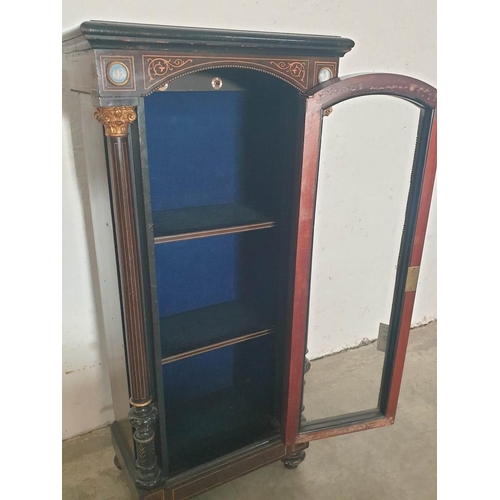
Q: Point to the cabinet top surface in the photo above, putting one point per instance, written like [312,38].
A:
[130,36]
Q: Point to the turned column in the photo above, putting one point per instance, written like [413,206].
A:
[143,413]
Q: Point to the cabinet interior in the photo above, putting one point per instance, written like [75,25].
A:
[222,167]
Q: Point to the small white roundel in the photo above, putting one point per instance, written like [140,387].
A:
[324,74]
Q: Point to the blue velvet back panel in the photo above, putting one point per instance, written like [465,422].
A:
[199,375]
[194,142]
[254,363]
[249,364]
[197,273]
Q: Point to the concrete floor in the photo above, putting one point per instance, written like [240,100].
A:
[392,463]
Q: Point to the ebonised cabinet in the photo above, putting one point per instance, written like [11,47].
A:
[202,148]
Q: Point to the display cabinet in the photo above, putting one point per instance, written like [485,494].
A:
[202,149]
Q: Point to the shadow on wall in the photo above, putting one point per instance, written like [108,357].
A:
[95,381]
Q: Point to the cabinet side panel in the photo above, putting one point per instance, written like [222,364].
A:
[82,72]
[102,222]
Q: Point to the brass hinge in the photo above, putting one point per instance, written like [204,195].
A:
[412,278]
[383,335]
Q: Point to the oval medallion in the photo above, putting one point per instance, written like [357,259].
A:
[324,74]
[118,73]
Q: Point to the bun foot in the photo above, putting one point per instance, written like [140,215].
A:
[292,461]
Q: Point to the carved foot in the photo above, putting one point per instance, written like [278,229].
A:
[292,461]
[117,463]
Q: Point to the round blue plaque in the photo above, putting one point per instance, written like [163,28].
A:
[118,73]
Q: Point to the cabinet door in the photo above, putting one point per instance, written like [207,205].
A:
[403,289]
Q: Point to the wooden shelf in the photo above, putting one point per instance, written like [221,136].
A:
[202,330]
[204,428]
[199,222]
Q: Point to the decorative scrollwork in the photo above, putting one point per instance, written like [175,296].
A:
[296,69]
[158,67]
[115,119]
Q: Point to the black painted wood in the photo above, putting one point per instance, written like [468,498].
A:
[203,327]
[111,35]
[232,465]
[293,460]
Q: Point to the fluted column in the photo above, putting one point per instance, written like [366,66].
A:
[143,414]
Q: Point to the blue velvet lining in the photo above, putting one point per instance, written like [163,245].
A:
[249,364]
[199,375]
[194,142]
[196,157]
[197,273]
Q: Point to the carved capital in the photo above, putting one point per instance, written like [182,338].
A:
[115,119]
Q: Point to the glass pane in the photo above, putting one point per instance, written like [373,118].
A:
[364,177]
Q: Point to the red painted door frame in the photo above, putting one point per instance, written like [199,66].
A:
[424,168]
